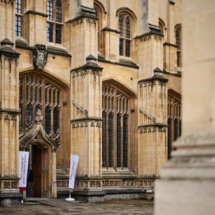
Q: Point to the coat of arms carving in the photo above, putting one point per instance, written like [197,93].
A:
[40,54]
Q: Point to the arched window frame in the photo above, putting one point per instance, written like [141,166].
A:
[42,97]
[126,26]
[100,13]
[163,28]
[54,9]
[116,135]
[178,40]
[125,38]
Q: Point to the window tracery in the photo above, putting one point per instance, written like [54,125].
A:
[115,128]
[38,93]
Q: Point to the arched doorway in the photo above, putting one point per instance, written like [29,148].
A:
[42,163]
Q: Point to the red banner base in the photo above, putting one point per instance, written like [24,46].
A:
[22,188]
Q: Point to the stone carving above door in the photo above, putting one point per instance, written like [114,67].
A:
[37,134]
[40,56]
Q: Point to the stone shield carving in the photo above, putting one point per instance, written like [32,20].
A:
[40,55]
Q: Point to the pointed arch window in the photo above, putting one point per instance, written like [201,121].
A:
[18,17]
[54,21]
[178,43]
[124,25]
[115,139]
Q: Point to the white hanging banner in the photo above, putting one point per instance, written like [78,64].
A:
[23,169]
[72,173]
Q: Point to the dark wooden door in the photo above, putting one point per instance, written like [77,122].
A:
[36,164]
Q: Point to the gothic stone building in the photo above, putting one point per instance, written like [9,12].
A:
[97,78]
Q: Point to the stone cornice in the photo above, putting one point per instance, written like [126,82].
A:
[170,44]
[171,2]
[81,17]
[58,51]
[159,125]
[131,65]
[5,110]
[9,178]
[153,30]
[36,13]
[9,52]
[156,77]
[110,30]
[89,65]
[8,1]
[87,119]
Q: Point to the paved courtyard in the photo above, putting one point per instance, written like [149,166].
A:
[62,207]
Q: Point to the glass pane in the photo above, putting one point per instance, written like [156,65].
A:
[120,23]
[49,8]
[58,11]
[49,32]
[110,140]
[169,138]
[18,26]
[128,28]
[119,140]
[128,42]
[58,33]
[125,140]
[104,143]
[48,120]
[120,46]
[178,58]
[29,114]
[18,6]
[56,120]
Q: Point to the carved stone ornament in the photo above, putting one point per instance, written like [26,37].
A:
[40,55]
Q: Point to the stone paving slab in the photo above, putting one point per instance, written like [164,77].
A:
[62,207]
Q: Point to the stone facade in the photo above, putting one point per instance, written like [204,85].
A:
[101,72]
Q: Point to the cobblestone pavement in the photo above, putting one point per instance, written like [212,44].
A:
[62,207]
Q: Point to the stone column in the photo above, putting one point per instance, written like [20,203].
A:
[152,95]
[9,110]
[152,129]
[34,18]
[187,184]
[82,25]
[86,129]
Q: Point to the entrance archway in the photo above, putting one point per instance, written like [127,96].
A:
[42,164]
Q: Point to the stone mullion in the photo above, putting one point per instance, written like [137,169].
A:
[9,144]
[122,129]
[114,131]
[107,151]
[52,110]
[172,120]
[43,100]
